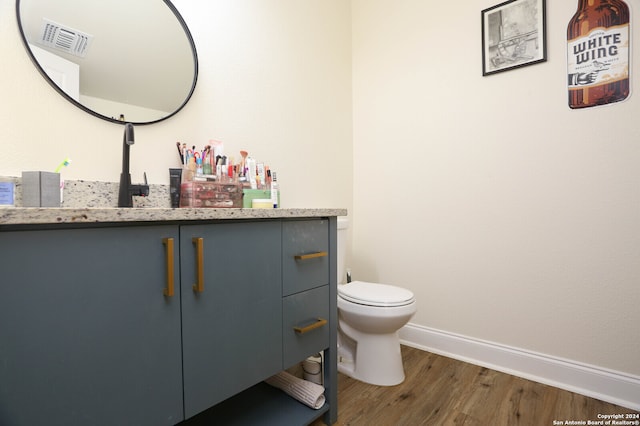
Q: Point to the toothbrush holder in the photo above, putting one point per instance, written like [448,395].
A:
[40,189]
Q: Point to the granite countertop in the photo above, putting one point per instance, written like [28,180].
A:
[87,202]
[40,216]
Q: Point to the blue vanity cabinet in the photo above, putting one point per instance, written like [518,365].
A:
[87,336]
[231,275]
[165,323]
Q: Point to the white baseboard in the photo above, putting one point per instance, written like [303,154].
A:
[606,385]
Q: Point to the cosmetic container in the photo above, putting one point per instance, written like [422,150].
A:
[251,172]
[275,196]
[211,194]
[175,179]
[188,175]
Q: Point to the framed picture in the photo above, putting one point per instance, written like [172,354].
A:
[513,35]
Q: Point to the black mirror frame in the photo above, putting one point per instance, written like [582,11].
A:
[97,114]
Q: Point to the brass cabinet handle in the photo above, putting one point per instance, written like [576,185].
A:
[319,323]
[198,287]
[169,289]
[311,255]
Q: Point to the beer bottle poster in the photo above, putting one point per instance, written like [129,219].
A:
[598,53]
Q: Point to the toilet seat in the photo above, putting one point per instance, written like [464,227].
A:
[374,294]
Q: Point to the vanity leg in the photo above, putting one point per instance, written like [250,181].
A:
[331,355]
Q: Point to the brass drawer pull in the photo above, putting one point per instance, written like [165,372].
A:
[320,322]
[198,287]
[169,289]
[311,255]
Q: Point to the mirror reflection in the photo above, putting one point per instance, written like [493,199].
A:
[120,60]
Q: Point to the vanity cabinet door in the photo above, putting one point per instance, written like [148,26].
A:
[305,325]
[86,335]
[305,255]
[232,323]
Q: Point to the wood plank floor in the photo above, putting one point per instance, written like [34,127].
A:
[443,391]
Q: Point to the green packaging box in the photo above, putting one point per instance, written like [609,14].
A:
[251,194]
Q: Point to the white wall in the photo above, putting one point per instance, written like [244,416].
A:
[513,218]
[275,79]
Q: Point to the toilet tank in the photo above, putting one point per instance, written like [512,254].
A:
[343,225]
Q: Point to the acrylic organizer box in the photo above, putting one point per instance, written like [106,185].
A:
[210,194]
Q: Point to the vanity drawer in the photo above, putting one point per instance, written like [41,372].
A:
[305,248]
[305,324]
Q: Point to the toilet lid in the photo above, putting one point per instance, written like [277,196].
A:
[373,294]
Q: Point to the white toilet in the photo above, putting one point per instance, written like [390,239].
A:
[369,317]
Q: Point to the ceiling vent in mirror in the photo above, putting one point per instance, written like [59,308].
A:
[64,38]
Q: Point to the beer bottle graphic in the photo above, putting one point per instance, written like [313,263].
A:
[598,47]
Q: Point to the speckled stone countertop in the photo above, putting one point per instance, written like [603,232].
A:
[39,216]
[95,202]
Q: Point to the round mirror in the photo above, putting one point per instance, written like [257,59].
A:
[119,60]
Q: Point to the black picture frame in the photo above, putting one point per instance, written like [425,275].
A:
[513,35]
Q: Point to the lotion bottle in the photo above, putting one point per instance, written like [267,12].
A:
[274,190]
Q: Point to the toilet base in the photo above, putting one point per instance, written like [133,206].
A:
[375,359]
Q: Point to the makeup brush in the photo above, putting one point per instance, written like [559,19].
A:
[180,153]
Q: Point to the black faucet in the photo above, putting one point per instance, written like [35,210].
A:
[127,191]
